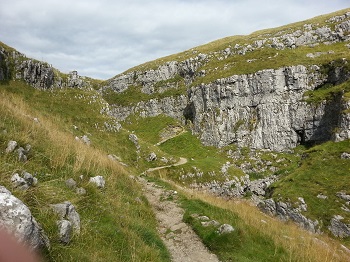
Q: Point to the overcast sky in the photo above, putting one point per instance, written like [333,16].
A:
[102,38]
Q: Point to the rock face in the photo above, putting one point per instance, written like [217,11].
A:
[17,218]
[263,110]
[16,66]
[237,187]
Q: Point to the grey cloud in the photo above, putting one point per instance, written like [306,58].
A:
[103,38]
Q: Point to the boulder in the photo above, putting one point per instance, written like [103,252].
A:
[66,211]
[19,182]
[98,181]
[16,217]
[225,229]
[30,179]
[203,218]
[22,154]
[343,196]
[345,155]
[25,181]
[213,223]
[11,145]
[64,230]
[285,211]
[133,138]
[70,183]
[338,228]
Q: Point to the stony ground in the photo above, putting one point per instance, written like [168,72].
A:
[182,242]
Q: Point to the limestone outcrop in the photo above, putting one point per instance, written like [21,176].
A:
[263,110]
[286,211]
[16,66]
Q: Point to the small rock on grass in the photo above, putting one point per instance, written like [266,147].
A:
[98,181]
[11,145]
[210,223]
[225,229]
[70,183]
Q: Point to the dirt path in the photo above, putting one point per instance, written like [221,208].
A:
[179,163]
[182,242]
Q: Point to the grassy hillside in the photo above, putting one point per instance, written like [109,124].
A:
[118,223]
[116,226]
[323,172]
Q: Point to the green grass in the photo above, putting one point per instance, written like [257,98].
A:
[115,227]
[134,95]
[321,171]
[327,93]
[149,128]
[200,158]
[243,244]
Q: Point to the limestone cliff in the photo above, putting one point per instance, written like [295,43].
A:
[263,110]
[16,66]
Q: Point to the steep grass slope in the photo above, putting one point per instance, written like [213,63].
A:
[117,223]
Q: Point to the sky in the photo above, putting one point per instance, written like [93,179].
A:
[102,38]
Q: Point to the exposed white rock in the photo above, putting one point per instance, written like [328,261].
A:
[343,196]
[339,228]
[285,211]
[133,138]
[64,230]
[11,145]
[213,223]
[16,217]
[99,181]
[152,157]
[86,140]
[225,229]
[24,181]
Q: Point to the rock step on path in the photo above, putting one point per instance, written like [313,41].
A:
[182,242]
